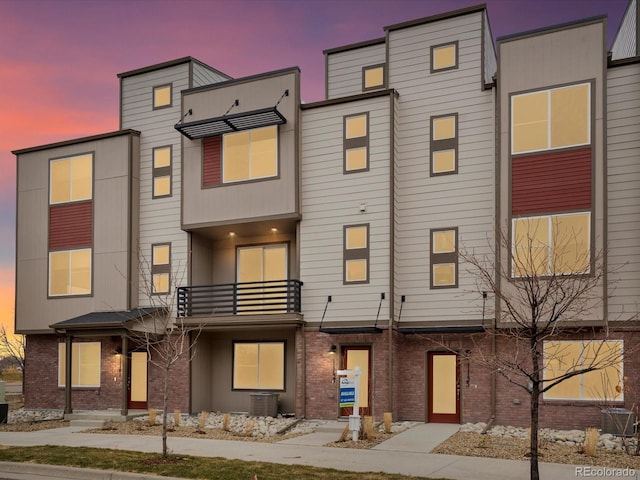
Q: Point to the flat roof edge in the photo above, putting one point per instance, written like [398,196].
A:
[74,141]
[551,28]
[439,16]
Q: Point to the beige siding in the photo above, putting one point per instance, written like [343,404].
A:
[159,219]
[344,69]
[464,200]
[332,199]
[623,152]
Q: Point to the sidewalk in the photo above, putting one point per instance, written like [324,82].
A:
[405,453]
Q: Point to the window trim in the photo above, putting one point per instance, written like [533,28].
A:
[443,145]
[590,111]
[153,96]
[68,295]
[158,172]
[373,67]
[250,179]
[70,157]
[356,254]
[160,269]
[62,365]
[456,55]
[355,143]
[258,387]
[582,398]
[444,258]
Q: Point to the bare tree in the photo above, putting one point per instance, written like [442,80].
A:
[545,291]
[12,346]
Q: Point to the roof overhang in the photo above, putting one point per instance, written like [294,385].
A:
[264,117]
[348,330]
[442,329]
[107,320]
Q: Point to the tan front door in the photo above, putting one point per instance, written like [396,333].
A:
[264,263]
[138,380]
[443,387]
[358,356]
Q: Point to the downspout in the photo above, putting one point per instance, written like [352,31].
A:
[124,375]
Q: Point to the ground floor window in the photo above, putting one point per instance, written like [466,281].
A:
[603,383]
[258,365]
[85,368]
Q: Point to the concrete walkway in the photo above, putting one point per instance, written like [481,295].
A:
[405,453]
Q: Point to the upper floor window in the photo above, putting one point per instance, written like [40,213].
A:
[162,96]
[162,172]
[444,144]
[250,154]
[71,179]
[444,258]
[444,57]
[356,143]
[549,119]
[372,77]
[551,244]
[356,253]
[70,272]
[160,268]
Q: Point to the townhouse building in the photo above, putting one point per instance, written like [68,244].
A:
[303,238]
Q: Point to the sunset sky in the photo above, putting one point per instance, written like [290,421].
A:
[59,58]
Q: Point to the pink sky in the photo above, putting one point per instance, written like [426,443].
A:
[59,58]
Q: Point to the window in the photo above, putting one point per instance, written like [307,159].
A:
[444,144]
[258,365]
[444,57]
[444,258]
[160,268]
[162,96]
[553,244]
[70,272]
[556,118]
[250,154]
[372,77]
[356,143]
[85,364]
[71,179]
[356,254]
[604,383]
[162,172]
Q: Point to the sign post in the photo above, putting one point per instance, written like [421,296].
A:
[350,397]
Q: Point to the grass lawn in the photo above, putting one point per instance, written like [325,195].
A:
[180,465]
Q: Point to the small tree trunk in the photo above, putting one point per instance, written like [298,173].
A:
[535,404]
[165,404]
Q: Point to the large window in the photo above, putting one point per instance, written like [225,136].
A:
[372,77]
[444,258]
[250,154]
[70,272]
[85,364]
[552,244]
[162,96]
[71,179]
[603,383]
[550,119]
[444,144]
[356,254]
[161,268]
[356,143]
[258,366]
[444,57]
[162,172]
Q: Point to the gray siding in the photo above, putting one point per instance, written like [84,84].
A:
[490,60]
[206,76]
[330,200]
[623,152]
[625,44]
[111,235]
[464,200]
[159,219]
[344,69]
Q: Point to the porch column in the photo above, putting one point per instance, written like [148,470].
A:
[68,409]
[124,365]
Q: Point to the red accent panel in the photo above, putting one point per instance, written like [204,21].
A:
[71,225]
[551,182]
[211,161]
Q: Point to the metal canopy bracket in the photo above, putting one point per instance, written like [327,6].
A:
[236,122]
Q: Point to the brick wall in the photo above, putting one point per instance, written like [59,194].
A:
[179,379]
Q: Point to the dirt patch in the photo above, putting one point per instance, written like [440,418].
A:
[33,426]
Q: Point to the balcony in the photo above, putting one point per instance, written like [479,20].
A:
[249,298]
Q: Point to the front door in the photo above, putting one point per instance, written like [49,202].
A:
[259,264]
[352,357]
[443,387]
[138,381]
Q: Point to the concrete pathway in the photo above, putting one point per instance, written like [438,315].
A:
[406,453]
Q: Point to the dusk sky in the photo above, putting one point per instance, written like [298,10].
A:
[59,58]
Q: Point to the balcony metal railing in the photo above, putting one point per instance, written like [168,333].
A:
[279,296]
